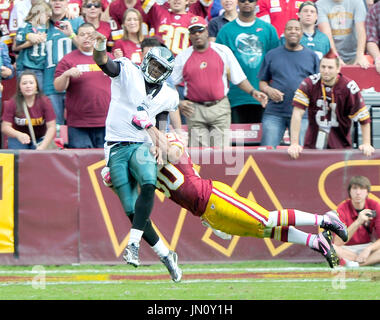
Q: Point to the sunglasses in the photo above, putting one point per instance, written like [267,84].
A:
[196,29]
[89,5]
[250,1]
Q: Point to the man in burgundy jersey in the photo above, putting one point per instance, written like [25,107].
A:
[333,101]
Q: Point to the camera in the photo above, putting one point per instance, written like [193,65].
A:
[59,25]
[372,214]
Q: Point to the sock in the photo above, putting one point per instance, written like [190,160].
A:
[135,236]
[293,217]
[160,249]
[293,235]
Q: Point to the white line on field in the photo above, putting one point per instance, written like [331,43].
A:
[184,269]
[30,283]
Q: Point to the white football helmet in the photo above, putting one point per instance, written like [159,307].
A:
[164,57]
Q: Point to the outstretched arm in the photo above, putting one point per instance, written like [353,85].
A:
[109,67]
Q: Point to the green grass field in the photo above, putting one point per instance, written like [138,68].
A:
[253,280]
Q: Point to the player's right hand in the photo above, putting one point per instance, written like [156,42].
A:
[294,150]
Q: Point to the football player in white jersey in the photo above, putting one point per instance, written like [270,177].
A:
[137,91]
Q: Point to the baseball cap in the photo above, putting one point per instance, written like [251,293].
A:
[197,21]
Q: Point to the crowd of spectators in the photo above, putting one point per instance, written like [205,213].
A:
[42,36]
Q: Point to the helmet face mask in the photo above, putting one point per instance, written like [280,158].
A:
[157,64]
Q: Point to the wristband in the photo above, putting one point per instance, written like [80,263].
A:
[27,36]
[252,92]
[72,36]
[101,46]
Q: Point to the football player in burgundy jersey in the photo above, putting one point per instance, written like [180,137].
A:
[332,101]
[226,212]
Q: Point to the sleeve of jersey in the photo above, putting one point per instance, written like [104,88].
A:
[147,5]
[359,111]
[180,60]
[262,10]
[234,69]
[301,97]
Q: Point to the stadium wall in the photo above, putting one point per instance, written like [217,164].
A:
[54,208]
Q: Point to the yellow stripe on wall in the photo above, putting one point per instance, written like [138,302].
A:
[7,203]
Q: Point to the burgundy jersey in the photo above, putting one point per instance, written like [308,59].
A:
[169,26]
[333,108]
[182,184]
[6,7]
[41,112]
[130,50]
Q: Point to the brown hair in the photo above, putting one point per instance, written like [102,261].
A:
[140,35]
[332,55]
[360,181]
[19,97]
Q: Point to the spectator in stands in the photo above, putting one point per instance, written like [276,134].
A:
[61,39]
[332,101]
[249,39]
[229,14]
[15,124]
[31,55]
[312,38]
[343,22]
[362,217]
[207,109]
[278,13]
[87,92]
[18,14]
[373,34]
[116,11]
[130,44]
[6,7]
[280,75]
[92,11]
[6,68]
[171,24]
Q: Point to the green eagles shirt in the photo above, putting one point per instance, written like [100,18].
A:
[249,43]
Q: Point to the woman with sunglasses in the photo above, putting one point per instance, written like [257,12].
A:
[92,11]
[130,44]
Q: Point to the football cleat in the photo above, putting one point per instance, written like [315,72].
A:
[325,247]
[332,222]
[171,263]
[131,254]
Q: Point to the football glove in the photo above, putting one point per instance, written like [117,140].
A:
[106,177]
[141,120]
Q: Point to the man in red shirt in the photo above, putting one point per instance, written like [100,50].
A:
[333,102]
[362,216]
[88,93]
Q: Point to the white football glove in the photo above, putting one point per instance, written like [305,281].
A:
[106,177]
[141,120]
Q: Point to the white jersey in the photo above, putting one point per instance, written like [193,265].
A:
[127,94]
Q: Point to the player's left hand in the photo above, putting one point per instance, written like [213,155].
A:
[367,149]
[141,120]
